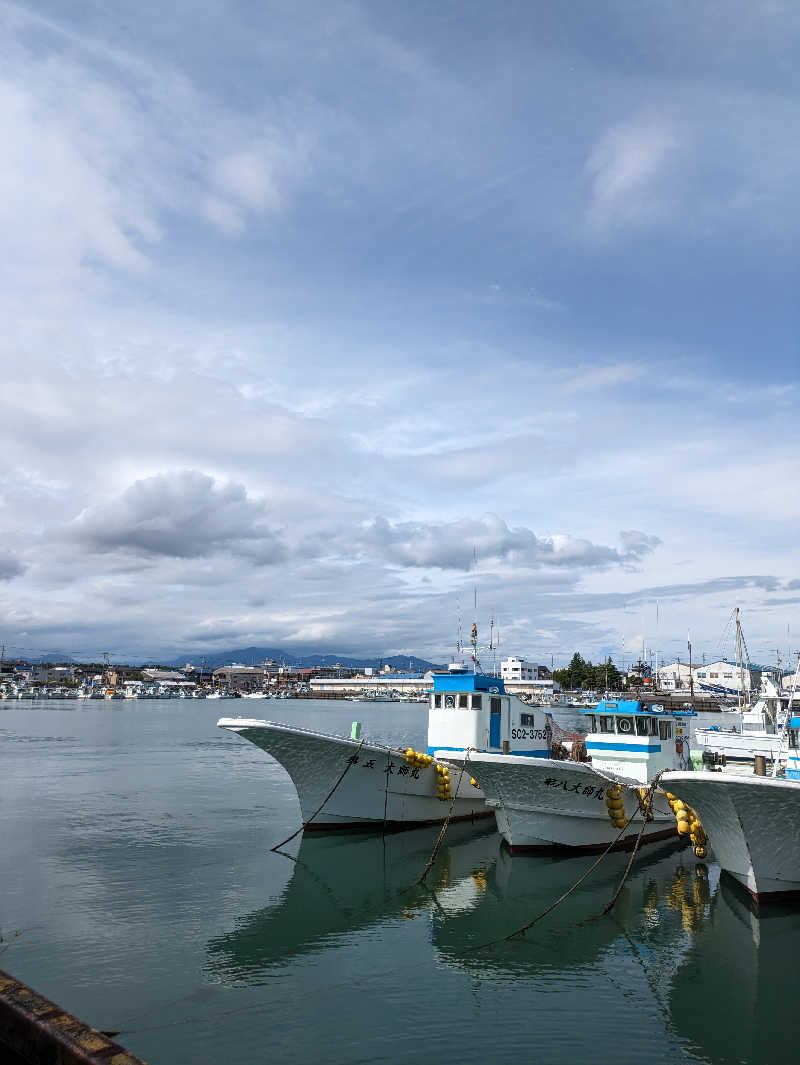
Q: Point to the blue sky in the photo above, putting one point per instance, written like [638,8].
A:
[305,301]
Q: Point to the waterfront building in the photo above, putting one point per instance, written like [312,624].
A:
[518,669]
[725,678]
[675,677]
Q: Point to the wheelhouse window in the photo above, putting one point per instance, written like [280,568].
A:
[477,702]
[653,726]
[437,699]
[591,723]
[794,738]
[462,702]
[625,725]
[643,726]
[450,701]
[665,730]
[527,719]
[606,723]
[494,705]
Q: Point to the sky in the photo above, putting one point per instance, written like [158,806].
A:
[324,321]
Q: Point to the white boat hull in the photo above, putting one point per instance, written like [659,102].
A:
[380,790]
[751,823]
[739,746]
[545,805]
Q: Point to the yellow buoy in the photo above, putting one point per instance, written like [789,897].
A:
[700,852]
[683,828]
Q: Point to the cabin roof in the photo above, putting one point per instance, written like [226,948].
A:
[468,682]
[633,706]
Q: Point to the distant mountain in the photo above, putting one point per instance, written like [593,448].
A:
[254,656]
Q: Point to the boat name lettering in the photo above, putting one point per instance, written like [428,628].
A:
[528,734]
[390,769]
[588,790]
[407,770]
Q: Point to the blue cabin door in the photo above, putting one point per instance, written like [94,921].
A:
[494,723]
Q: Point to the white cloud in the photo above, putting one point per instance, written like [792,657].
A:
[628,167]
[185,514]
[451,545]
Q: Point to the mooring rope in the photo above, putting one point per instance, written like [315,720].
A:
[644,805]
[521,931]
[446,822]
[350,761]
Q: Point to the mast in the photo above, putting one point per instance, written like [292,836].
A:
[691,674]
[739,651]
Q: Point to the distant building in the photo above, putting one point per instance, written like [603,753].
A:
[725,678]
[675,677]
[241,678]
[161,675]
[517,669]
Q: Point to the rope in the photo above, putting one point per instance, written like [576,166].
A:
[350,761]
[521,931]
[643,806]
[446,822]
[254,1008]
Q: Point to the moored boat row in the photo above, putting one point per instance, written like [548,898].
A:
[631,782]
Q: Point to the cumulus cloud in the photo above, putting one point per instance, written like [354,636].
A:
[450,545]
[184,514]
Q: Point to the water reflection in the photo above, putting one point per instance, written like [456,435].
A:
[682,946]
[734,995]
[341,885]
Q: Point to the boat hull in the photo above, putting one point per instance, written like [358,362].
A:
[751,823]
[738,746]
[379,790]
[550,806]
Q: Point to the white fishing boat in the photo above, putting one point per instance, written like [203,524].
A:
[760,731]
[761,726]
[751,822]
[547,805]
[346,782]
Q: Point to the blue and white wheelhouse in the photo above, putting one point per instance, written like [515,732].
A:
[472,710]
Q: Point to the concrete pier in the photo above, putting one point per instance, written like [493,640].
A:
[34,1031]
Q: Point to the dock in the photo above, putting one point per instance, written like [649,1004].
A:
[35,1031]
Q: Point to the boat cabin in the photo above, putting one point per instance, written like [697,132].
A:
[474,710]
[793,755]
[626,737]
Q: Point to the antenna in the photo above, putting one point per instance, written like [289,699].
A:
[475,580]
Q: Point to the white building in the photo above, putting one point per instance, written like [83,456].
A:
[725,678]
[675,677]
[517,669]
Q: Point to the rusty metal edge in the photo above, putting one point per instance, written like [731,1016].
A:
[38,1032]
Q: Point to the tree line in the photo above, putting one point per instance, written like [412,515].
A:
[583,674]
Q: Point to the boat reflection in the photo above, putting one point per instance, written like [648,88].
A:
[342,885]
[576,933]
[681,947]
[734,995]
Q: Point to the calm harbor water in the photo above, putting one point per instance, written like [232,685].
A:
[138,890]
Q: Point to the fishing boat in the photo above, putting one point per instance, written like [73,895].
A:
[761,728]
[550,805]
[751,822]
[348,782]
